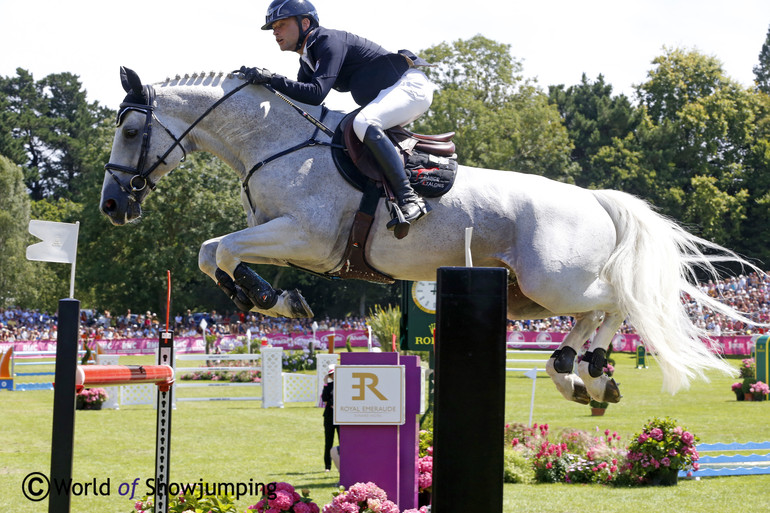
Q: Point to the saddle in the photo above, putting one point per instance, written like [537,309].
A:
[437,145]
[430,162]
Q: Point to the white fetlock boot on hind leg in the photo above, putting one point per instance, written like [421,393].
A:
[559,368]
[600,386]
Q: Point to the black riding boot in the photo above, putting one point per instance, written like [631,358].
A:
[412,206]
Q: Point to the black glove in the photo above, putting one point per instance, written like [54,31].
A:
[255,75]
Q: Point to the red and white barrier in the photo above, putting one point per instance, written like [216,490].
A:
[111,375]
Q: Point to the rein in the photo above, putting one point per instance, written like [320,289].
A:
[306,144]
[318,124]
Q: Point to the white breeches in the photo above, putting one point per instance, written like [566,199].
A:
[399,104]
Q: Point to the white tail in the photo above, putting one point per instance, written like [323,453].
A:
[652,265]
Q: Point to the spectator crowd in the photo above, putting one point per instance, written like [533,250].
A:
[749,294]
[18,325]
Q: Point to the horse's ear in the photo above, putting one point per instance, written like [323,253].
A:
[131,81]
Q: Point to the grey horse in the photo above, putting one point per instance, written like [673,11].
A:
[598,255]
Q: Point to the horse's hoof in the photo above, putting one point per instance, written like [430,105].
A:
[612,392]
[580,394]
[570,386]
[298,306]
[603,388]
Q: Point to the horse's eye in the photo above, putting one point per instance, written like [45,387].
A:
[130,133]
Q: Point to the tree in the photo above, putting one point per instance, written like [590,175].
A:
[762,70]
[14,217]
[10,146]
[49,129]
[687,153]
[501,121]
[23,283]
[756,230]
[718,213]
[703,122]
[385,323]
[593,118]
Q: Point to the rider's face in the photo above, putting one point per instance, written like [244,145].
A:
[286,32]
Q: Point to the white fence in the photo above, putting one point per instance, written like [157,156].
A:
[524,360]
[218,358]
[299,388]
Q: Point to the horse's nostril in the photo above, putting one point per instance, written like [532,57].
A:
[109,206]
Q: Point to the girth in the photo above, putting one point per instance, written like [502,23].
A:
[354,263]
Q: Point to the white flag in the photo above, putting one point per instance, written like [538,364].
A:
[60,242]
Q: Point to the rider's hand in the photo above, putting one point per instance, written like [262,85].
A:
[256,75]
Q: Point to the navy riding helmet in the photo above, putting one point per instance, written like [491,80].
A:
[282,9]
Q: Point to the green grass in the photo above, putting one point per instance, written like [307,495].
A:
[241,442]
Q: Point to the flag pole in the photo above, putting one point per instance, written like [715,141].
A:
[72,270]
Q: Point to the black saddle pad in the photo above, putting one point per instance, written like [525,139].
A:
[430,176]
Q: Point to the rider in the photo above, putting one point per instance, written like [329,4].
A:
[389,86]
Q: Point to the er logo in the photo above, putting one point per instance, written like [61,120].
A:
[362,385]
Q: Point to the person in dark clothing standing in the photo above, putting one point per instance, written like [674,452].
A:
[389,86]
[327,396]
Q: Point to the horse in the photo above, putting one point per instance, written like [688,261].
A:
[601,256]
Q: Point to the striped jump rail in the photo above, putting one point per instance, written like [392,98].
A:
[10,361]
[112,375]
[733,464]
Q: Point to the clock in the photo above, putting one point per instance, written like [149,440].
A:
[424,296]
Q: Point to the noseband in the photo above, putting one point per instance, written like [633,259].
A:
[140,183]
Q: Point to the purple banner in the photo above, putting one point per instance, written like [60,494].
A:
[293,341]
[624,343]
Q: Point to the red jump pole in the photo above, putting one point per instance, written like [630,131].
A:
[111,375]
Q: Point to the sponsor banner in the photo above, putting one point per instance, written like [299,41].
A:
[140,346]
[149,345]
[623,343]
[295,341]
[369,394]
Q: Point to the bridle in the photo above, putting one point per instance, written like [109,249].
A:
[140,184]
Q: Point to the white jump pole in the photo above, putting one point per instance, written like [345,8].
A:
[532,374]
[468,236]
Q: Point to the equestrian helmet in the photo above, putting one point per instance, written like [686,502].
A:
[281,9]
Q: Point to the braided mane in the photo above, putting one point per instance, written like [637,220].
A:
[203,78]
